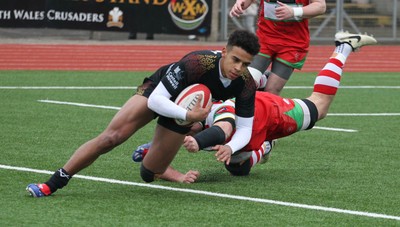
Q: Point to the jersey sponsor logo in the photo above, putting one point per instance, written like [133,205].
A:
[174,77]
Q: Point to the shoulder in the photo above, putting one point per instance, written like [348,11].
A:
[247,86]
[207,59]
[202,54]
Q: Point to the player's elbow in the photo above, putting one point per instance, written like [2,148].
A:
[321,7]
[318,7]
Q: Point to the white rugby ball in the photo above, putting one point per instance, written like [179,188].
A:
[189,97]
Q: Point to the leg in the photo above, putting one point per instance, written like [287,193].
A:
[274,84]
[258,66]
[280,74]
[149,36]
[165,146]
[262,155]
[239,169]
[328,80]
[132,116]
[132,35]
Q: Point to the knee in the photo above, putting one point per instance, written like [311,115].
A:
[108,141]
[146,174]
[239,169]
[240,157]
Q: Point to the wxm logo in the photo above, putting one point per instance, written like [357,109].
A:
[189,10]
[188,14]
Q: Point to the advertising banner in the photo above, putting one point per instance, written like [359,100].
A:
[147,16]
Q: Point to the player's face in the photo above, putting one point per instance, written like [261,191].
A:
[234,62]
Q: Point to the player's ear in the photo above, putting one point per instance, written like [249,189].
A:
[224,52]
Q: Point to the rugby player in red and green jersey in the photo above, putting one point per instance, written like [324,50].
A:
[282,29]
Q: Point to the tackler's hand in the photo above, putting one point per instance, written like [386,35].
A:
[191,144]
[223,153]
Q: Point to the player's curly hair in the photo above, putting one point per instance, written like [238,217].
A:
[245,40]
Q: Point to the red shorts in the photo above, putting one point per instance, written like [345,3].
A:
[271,119]
[291,56]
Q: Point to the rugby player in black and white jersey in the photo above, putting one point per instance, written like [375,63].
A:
[223,72]
[275,116]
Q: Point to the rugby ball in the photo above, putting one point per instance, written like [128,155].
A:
[189,97]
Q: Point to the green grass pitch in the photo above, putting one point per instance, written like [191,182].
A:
[350,171]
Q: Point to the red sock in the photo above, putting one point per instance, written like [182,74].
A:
[328,79]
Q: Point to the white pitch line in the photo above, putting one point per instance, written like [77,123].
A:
[117,108]
[207,193]
[335,129]
[80,104]
[364,114]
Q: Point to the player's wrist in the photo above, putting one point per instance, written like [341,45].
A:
[297,12]
[210,137]
[190,116]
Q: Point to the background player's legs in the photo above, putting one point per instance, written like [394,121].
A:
[278,77]
[257,67]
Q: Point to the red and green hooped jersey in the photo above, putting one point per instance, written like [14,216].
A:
[292,33]
[274,117]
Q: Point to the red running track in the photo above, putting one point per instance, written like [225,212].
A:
[150,57]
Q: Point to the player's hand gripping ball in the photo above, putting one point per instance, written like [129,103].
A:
[190,96]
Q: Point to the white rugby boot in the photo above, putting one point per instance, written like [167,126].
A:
[356,41]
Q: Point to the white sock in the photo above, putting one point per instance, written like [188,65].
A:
[343,51]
